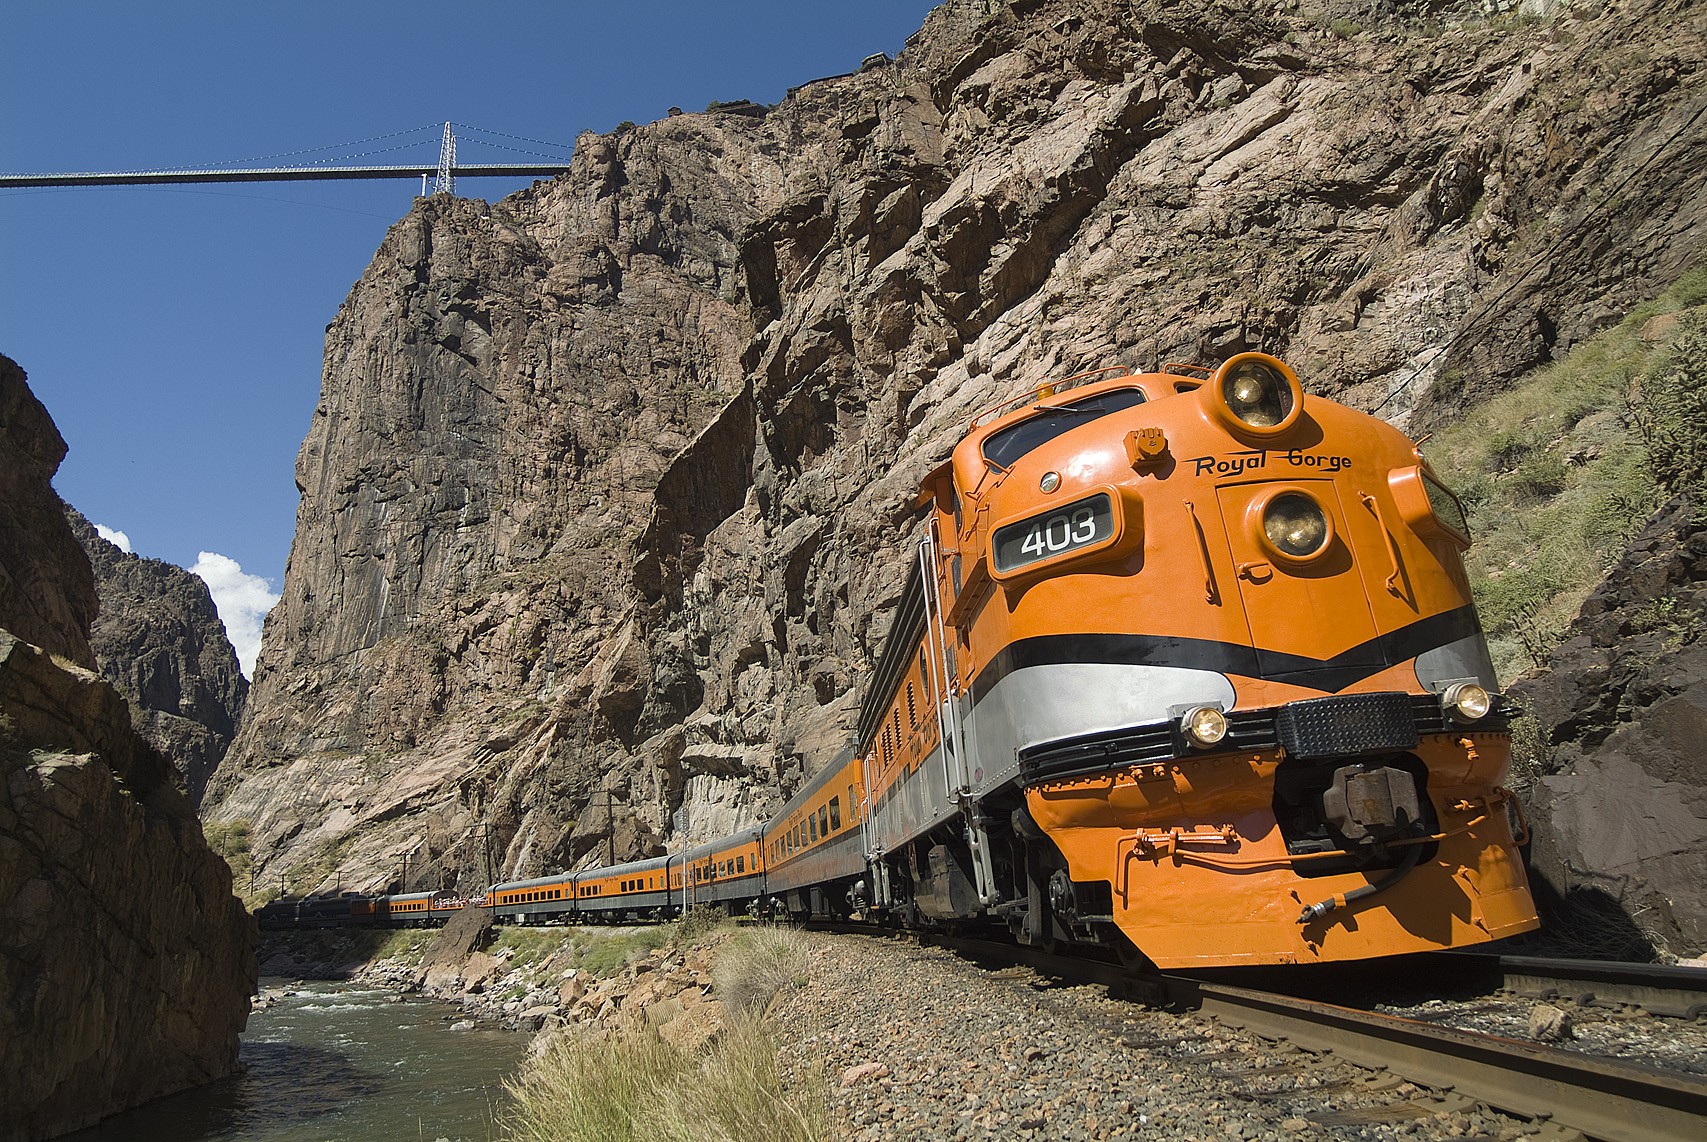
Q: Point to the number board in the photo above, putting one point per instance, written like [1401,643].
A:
[1081,524]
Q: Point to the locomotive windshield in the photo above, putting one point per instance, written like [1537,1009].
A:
[1005,447]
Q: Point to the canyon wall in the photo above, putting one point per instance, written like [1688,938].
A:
[159,641]
[606,502]
[126,961]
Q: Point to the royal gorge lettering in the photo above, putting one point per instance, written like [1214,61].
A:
[1239,463]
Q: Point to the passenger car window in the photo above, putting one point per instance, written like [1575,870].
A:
[823,821]
[835,813]
[1005,447]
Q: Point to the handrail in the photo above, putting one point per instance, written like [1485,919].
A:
[1211,593]
[1042,392]
[1392,547]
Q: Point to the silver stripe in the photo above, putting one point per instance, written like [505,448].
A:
[1066,700]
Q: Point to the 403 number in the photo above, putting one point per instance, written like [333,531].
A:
[1060,533]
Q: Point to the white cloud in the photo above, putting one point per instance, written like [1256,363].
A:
[117,538]
[242,600]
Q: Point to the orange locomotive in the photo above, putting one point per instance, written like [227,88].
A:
[1188,666]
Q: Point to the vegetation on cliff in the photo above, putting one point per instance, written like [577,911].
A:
[1563,469]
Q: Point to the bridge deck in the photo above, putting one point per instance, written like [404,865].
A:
[278,174]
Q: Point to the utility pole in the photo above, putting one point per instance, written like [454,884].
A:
[610,830]
[483,830]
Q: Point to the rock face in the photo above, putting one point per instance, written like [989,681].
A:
[159,640]
[1622,799]
[47,592]
[606,499]
[126,962]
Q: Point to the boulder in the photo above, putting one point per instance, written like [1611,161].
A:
[1619,806]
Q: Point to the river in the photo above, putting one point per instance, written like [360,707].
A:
[334,1062]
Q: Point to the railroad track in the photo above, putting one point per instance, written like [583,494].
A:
[1572,1092]
[1658,989]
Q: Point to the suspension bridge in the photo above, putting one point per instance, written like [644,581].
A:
[443,174]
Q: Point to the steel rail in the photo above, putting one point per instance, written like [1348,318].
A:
[1617,1101]
[278,174]
[1659,989]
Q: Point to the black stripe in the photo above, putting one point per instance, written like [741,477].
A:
[1331,674]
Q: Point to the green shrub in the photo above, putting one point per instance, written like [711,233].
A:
[700,922]
[232,840]
[604,953]
[1669,408]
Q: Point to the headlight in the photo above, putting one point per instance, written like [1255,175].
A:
[1466,702]
[1257,394]
[1205,726]
[1295,525]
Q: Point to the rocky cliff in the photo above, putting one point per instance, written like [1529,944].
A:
[47,591]
[159,640]
[605,501]
[126,962]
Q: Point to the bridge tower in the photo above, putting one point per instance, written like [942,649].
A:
[446,182]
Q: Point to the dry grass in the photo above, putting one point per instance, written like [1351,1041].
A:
[755,965]
[632,1085]
[593,1089]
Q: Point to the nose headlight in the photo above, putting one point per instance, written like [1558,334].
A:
[1256,395]
[1294,523]
[1466,702]
[1205,725]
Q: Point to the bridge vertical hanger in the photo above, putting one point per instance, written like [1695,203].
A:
[446,182]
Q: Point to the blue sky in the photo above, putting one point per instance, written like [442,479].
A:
[175,333]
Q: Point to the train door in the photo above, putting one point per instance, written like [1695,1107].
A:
[1303,596]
